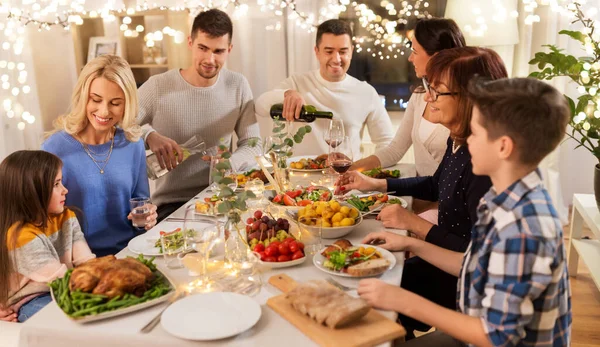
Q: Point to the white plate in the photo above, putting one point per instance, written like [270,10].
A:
[210,316]
[294,159]
[402,201]
[144,244]
[121,311]
[318,260]
[277,265]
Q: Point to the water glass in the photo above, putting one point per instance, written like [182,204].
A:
[140,210]
[310,233]
[172,246]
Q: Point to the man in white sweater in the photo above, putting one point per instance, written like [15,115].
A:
[331,89]
[203,100]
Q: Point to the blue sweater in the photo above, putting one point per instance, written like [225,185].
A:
[103,198]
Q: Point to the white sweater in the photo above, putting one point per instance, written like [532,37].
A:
[355,102]
[428,153]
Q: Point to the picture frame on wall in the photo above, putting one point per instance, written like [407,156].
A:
[101,45]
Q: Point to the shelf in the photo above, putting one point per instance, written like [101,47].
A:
[149,66]
[589,251]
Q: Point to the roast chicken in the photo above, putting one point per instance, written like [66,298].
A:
[111,277]
[327,305]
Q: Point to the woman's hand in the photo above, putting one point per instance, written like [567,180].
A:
[379,294]
[355,180]
[151,219]
[393,242]
[397,217]
[8,315]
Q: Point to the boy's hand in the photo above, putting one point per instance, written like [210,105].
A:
[379,294]
[8,315]
[393,242]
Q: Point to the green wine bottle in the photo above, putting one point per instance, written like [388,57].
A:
[308,114]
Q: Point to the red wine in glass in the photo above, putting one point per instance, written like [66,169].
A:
[341,165]
[333,142]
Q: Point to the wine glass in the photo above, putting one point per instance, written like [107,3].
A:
[340,159]
[334,135]
[201,237]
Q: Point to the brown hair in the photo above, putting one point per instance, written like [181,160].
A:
[532,113]
[26,184]
[436,34]
[336,27]
[213,22]
[458,66]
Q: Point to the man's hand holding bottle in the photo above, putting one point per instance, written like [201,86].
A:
[292,105]
[168,152]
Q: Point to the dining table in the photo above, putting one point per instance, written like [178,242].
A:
[51,327]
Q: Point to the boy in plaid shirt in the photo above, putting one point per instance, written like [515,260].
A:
[513,287]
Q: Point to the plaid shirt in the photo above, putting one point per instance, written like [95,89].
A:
[514,274]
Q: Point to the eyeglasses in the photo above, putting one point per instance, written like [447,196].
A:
[434,93]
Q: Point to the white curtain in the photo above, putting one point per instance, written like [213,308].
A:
[18,92]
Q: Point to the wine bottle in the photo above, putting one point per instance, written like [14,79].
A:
[308,114]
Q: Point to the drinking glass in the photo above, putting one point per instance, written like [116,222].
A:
[335,133]
[310,233]
[172,245]
[200,237]
[340,158]
[140,210]
[247,277]
[220,168]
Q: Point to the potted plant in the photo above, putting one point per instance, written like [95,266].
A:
[585,71]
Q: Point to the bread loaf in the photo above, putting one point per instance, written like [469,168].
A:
[370,267]
[327,305]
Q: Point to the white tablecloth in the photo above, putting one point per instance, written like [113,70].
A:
[50,327]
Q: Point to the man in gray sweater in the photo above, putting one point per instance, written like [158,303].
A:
[203,100]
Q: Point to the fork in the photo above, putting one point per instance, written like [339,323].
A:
[148,327]
[339,285]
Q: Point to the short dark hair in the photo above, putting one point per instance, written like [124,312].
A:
[459,66]
[213,22]
[531,112]
[333,26]
[436,34]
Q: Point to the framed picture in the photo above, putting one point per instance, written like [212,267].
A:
[101,45]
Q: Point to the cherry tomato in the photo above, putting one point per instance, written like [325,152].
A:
[355,255]
[384,198]
[263,256]
[284,249]
[259,248]
[289,240]
[304,202]
[300,245]
[272,251]
[293,246]
[277,199]
[297,255]
[275,243]
[283,258]
[270,259]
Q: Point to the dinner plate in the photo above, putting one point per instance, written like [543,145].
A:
[144,244]
[121,311]
[210,316]
[278,265]
[319,260]
[403,202]
[294,159]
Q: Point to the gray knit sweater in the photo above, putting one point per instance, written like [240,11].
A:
[178,110]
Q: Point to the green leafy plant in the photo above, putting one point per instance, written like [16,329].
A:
[283,141]
[585,71]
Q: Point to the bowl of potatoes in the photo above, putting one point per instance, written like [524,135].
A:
[337,218]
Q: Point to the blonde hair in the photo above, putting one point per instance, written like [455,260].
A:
[114,69]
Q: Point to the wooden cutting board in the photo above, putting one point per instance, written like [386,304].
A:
[372,329]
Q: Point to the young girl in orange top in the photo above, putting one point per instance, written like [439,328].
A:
[39,238]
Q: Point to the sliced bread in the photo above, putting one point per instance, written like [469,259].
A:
[370,267]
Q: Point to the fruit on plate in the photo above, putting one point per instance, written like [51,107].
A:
[361,261]
[209,205]
[327,305]
[253,174]
[332,213]
[270,239]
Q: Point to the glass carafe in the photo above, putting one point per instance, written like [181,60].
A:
[195,145]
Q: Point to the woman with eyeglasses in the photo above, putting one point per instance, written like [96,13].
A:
[453,184]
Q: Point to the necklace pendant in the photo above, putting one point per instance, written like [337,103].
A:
[102,171]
